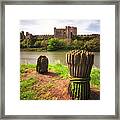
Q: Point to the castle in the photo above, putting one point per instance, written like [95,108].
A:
[63,33]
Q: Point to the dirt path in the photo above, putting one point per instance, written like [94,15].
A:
[50,86]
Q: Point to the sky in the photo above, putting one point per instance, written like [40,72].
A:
[45,27]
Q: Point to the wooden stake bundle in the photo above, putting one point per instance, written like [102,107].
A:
[80,64]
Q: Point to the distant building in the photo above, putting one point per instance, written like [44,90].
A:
[65,33]
[22,36]
[28,35]
[46,37]
[62,33]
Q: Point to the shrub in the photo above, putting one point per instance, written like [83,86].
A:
[55,44]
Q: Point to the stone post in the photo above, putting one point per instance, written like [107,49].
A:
[42,64]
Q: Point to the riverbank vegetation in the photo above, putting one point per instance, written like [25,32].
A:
[52,44]
[50,86]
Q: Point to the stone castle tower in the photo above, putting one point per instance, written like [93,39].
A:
[65,33]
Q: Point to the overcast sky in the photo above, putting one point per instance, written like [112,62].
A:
[41,27]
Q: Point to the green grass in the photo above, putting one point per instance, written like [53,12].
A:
[26,91]
[95,77]
[28,95]
[24,67]
[60,69]
[63,71]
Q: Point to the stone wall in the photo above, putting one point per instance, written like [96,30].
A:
[90,35]
[45,36]
[22,35]
[70,31]
[59,33]
[29,36]
[65,33]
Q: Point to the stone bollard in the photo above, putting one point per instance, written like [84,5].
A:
[42,64]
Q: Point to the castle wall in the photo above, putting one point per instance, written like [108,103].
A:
[22,36]
[60,33]
[67,33]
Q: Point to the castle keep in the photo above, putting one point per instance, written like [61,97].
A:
[65,33]
[62,33]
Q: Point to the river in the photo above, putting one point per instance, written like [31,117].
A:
[54,57]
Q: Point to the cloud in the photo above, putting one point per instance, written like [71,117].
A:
[29,22]
[94,26]
[47,26]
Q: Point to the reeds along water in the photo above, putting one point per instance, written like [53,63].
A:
[80,64]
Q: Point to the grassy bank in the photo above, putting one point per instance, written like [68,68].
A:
[58,75]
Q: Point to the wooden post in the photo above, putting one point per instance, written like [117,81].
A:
[80,64]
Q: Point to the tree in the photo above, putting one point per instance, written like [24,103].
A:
[78,44]
[37,44]
[44,44]
[31,43]
[24,43]
[93,45]
[55,44]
